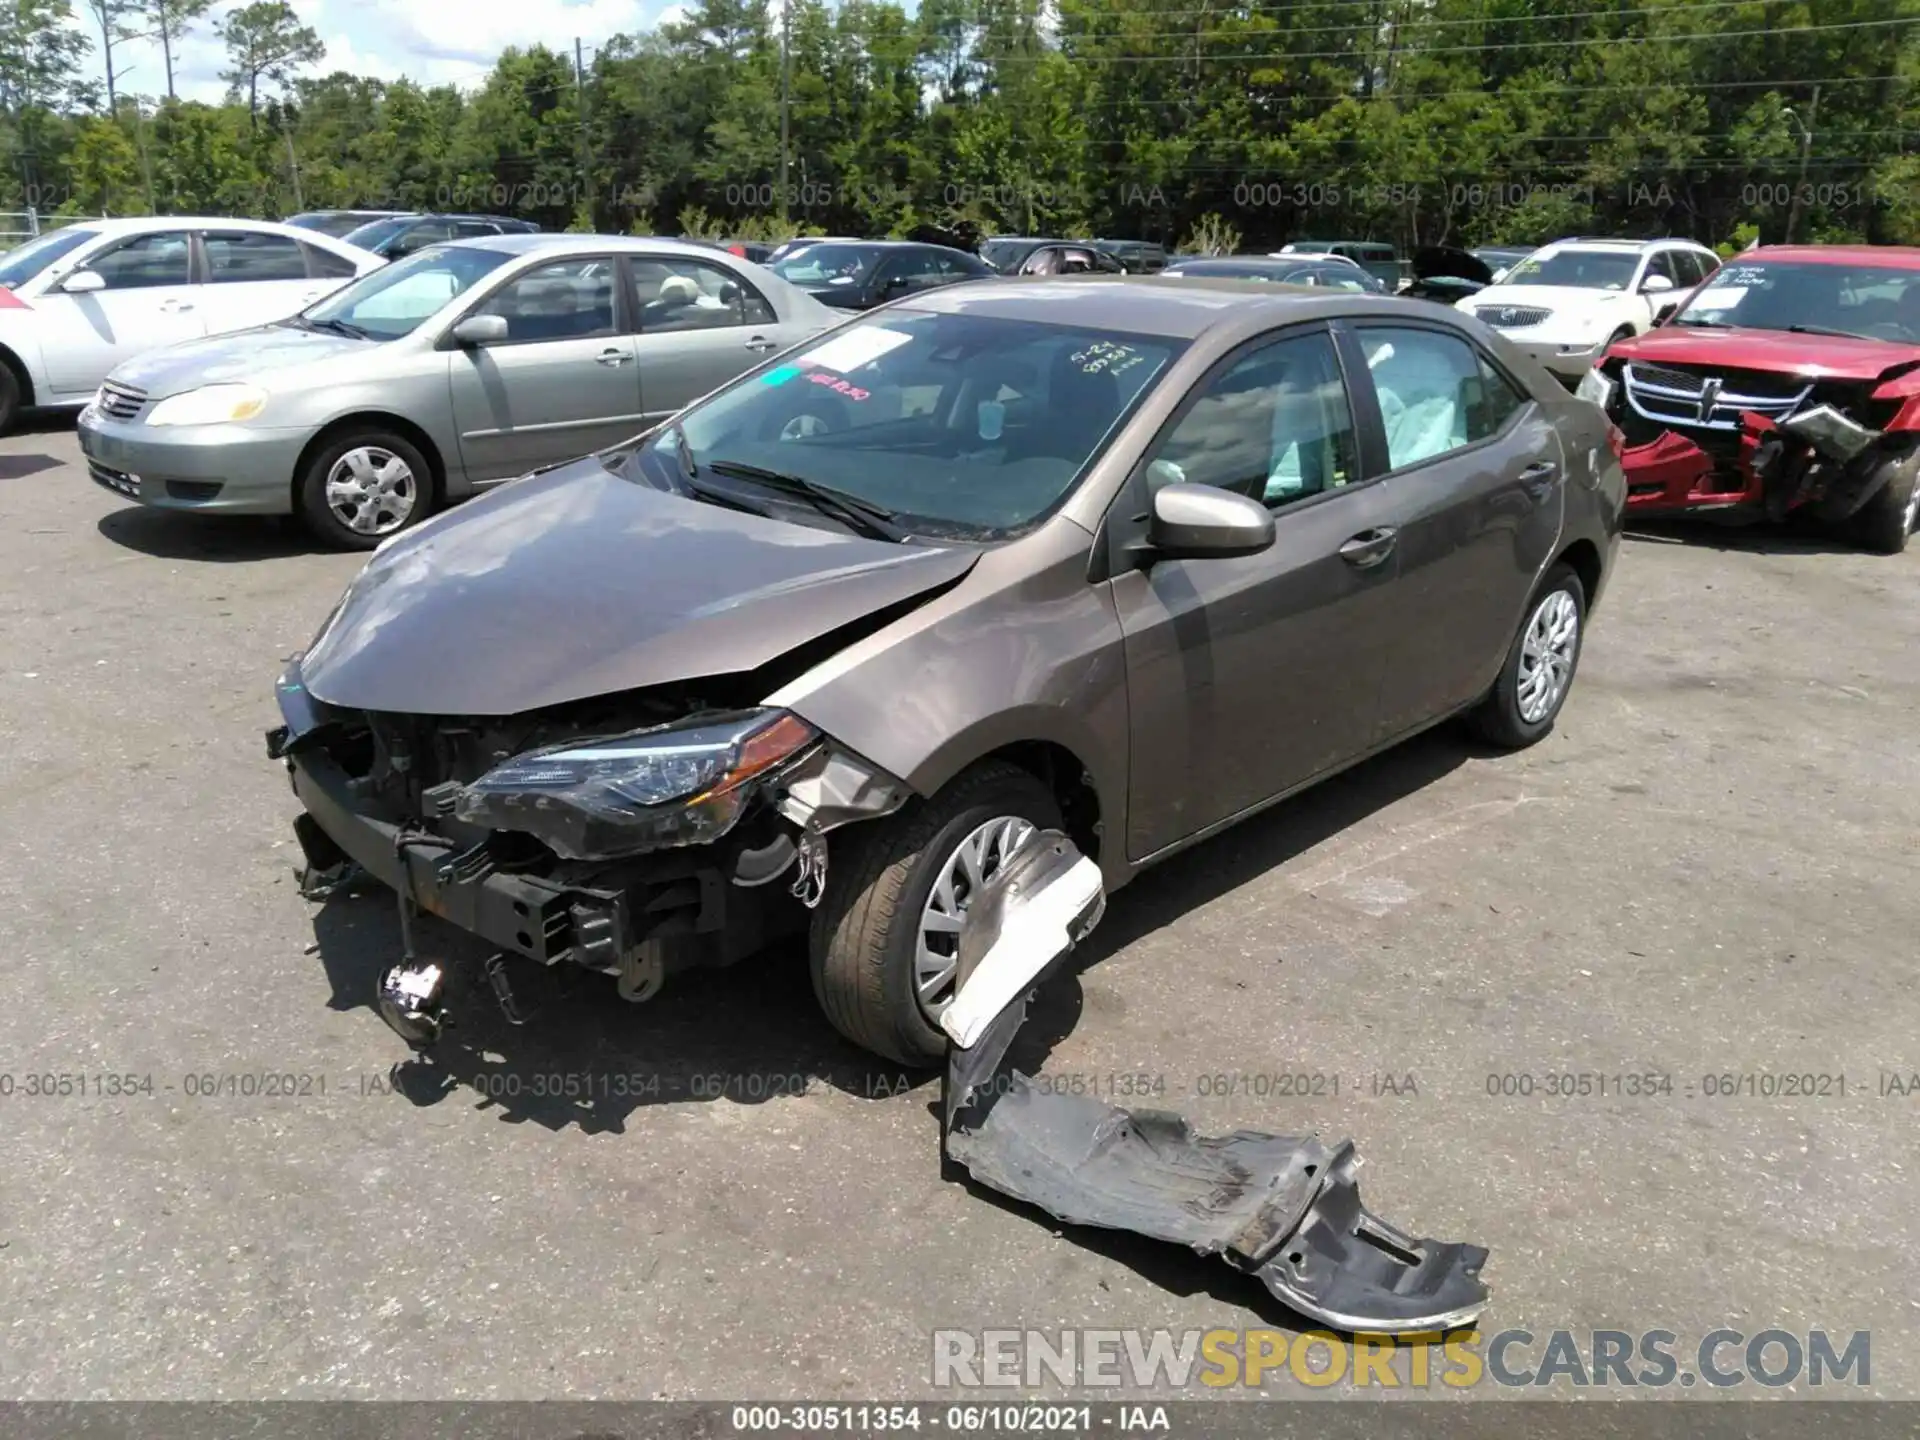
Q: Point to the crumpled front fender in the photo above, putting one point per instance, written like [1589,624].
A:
[1286,1209]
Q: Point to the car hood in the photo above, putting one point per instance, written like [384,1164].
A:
[238,355]
[574,583]
[1831,357]
[1432,262]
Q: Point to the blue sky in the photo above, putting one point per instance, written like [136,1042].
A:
[433,41]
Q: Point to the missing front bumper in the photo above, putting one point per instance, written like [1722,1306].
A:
[1286,1209]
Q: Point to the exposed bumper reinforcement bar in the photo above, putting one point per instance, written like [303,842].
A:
[1286,1209]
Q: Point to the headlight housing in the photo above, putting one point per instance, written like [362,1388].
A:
[1595,386]
[681,784]
[210,405]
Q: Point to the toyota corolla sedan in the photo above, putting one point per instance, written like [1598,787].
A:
[1134,558]
[436,377]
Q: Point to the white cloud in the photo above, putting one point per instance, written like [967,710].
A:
[436,42]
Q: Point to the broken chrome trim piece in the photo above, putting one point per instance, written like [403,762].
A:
[1286,1209]
[1830,432]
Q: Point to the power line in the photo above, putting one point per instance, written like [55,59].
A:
[1417,51]
[1418,23]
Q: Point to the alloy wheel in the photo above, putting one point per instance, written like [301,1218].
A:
[1547,655]
[974,860]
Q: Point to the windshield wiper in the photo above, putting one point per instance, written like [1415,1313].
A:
[339,327]
[862,516]
[1826,330]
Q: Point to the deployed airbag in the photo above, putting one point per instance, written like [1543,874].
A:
[1283,1208]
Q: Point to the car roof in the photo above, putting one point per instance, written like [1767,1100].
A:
[540,242]
[134,224]
[1170,306]
[1894,257]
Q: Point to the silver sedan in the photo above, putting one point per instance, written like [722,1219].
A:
[450,371]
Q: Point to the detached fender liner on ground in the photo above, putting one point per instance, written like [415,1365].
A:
[1286,1209]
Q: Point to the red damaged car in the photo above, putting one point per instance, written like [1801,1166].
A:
[1788,382]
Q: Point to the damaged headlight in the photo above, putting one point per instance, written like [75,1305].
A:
[1595,386]
[681,784]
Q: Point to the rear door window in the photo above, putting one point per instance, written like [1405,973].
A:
[1437,393]
[240,257]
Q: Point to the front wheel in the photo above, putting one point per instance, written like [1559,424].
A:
[9,397]
[363,486]
[1884,522]
[886,939]
[1538,673]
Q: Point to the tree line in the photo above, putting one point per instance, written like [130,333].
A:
[1194,122]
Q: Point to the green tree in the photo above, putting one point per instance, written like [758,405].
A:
[172,21]
[113,19]
[266,41]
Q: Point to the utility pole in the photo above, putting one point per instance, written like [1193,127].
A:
[293,162]
[786,96]
[146,160]
[580,109]
[1806,150]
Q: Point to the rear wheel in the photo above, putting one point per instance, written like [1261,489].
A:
[885,942]
[363,486]
[1884,522]
[1534,682]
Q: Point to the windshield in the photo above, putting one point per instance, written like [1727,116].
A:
[1578,269]
[375,233]
[1871,301]
[826,265]
[1004,254]
[967,426]
[337,223]
[392,302]
[23,262]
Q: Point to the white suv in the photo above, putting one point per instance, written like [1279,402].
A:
[76,301]
[1567,302]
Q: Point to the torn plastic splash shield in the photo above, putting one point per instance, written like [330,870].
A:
[1285,1209]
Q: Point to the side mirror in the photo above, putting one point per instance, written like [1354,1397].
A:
[83,282]
[1655,285]
[481,330]
[1197,522]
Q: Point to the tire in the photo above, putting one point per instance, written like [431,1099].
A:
[9,397]
[1506,717]
[320,518]
[880,879]
[1884,522]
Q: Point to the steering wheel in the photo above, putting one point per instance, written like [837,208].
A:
[813,418]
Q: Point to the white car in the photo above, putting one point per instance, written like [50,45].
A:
[1567,302]
[76,301]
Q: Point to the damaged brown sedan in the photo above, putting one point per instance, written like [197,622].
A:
[1125,559]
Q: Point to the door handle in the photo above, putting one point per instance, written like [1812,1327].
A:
[175,307]
[1369,547]
[612,356]
[759,343]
